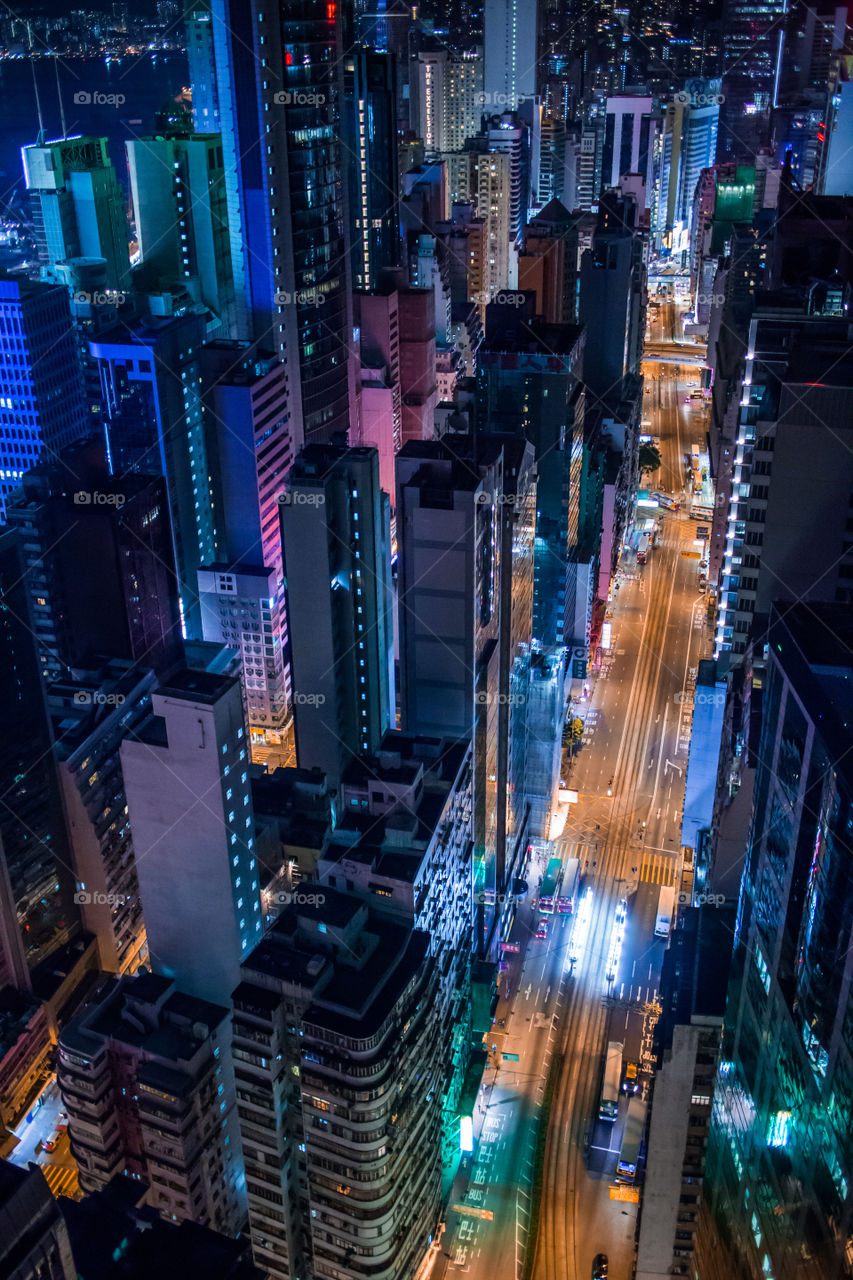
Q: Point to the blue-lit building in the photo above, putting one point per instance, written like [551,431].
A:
[779,1177]
[280,90]
[201,59]
[42,396]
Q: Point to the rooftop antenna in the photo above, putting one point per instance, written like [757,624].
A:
[59,96]
[41,133]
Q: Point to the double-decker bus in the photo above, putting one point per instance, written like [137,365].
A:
[632,1141]
[550,887]
[570,888]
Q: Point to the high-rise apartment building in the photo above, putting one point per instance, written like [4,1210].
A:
[42,399]
[397,326]
[448,100]
[779,1166]
[465,529]
[177,184]
[78,208]
[548,263]
[250,447]
[335,523]
[402,842]
[186,777]
[91,714]
[32,1230]
[339,1073]
[145,1077]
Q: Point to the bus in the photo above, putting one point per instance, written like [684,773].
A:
[664,500]
[643,548]
[632,1140]
[663,920]
[569,888]
[550,886]
[612,1076]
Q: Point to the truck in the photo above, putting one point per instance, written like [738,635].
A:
[612,1079]
[632,1141]
[643,548]
[663,920]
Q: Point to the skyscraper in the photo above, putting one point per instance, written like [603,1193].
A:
[511,32]
[465,528]
[335,523]
[177,184]
[186,775]
[779,1167]
[41,382]
[280,86]
[370,158]
[77,205]
[347,1002]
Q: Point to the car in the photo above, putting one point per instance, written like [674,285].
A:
[542,929]
[599,1267]
[50,1143]
[631,1078]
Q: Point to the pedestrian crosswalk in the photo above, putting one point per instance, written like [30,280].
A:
[658,868]
[62,1182]
[570,848]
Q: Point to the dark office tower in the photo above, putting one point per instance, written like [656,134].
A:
[152,392]
[78,207]
[779,1165]
[99,566]
[33,1235]
[41,382]
[465,520]
[754,39]
[280,78]
[340,1119]
[529,382]
[510,31]
[611,296]
[335,526]
[787,534]
[201,59]
[370,160]
[31,826]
